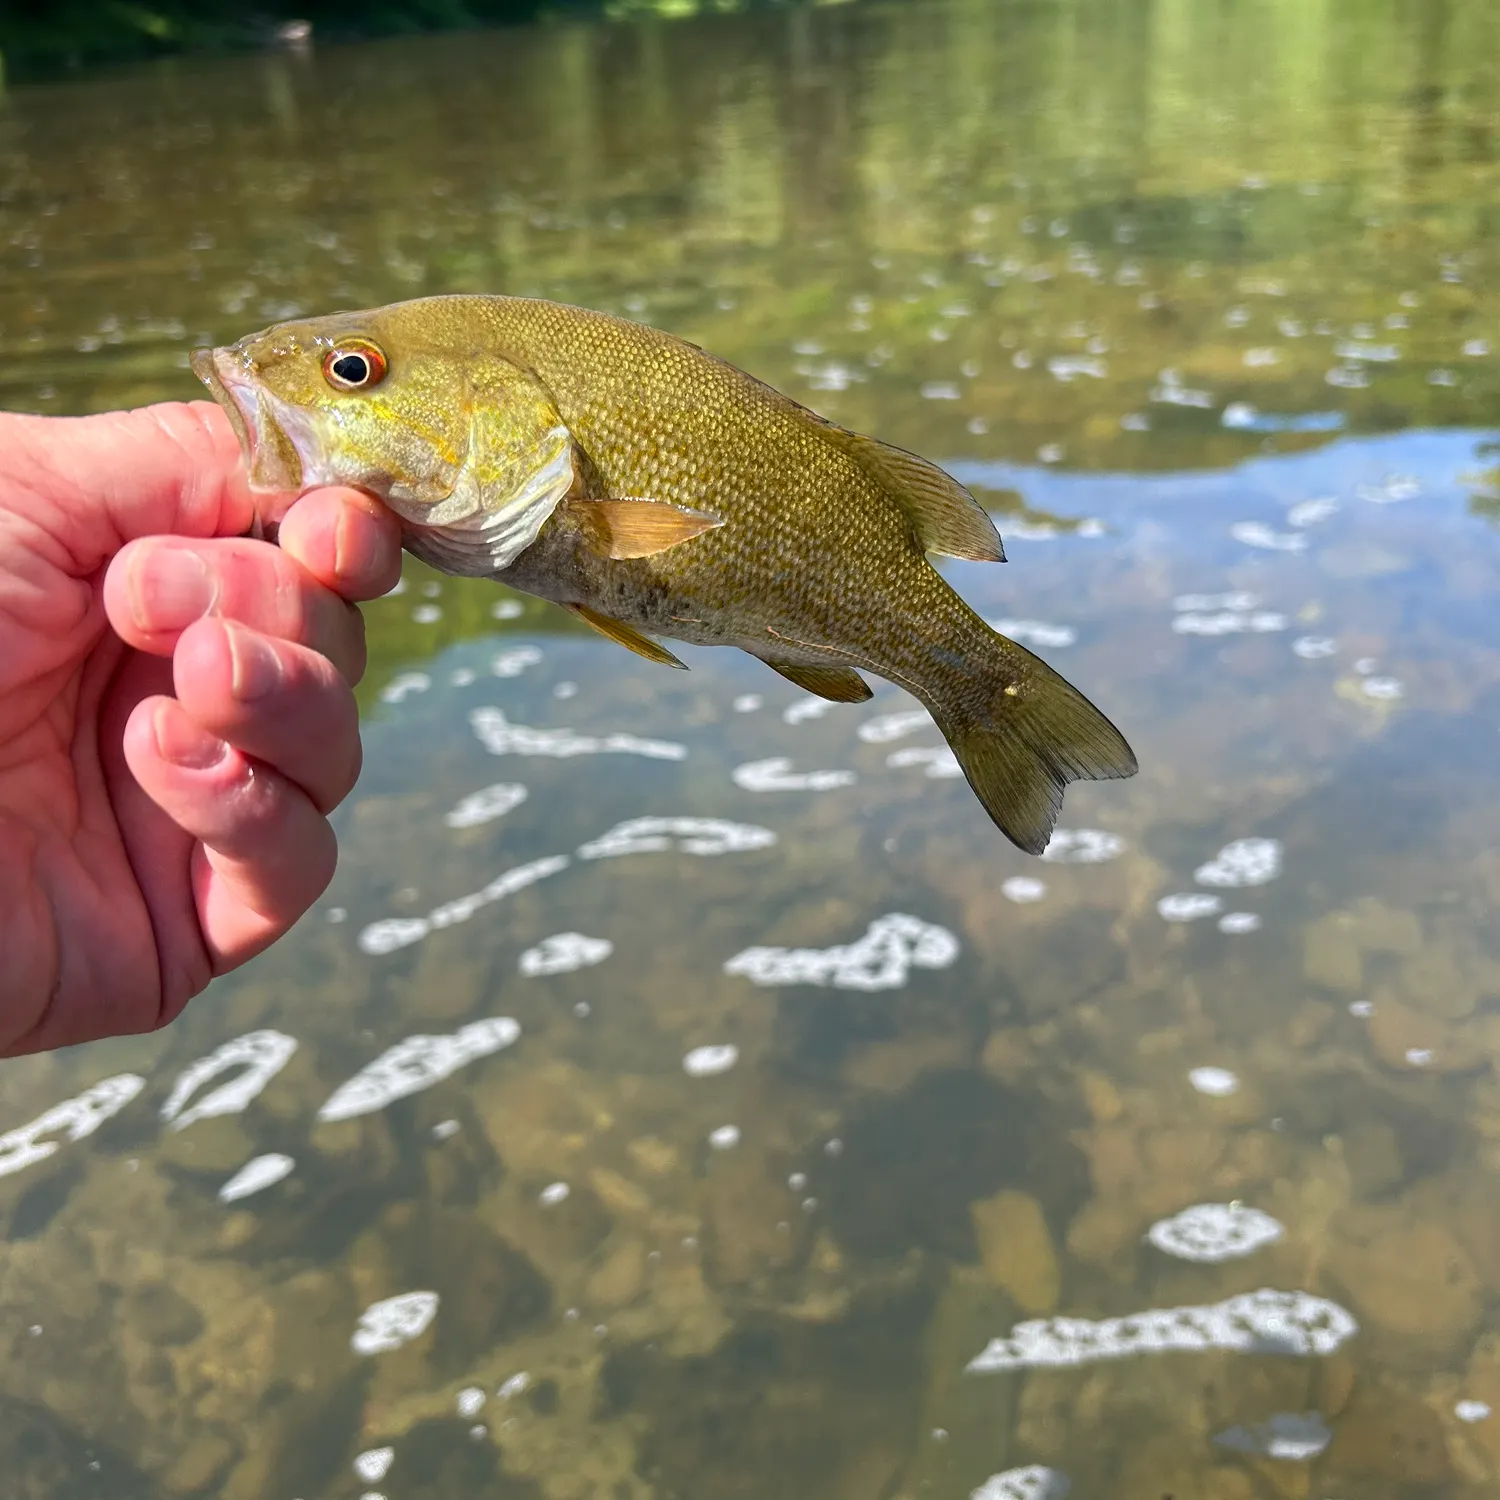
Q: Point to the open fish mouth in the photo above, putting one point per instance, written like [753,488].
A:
[278,463]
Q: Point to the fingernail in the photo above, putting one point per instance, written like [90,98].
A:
[180,742]
[171,588]
[257,668]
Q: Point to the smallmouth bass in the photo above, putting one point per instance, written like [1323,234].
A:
[656,490]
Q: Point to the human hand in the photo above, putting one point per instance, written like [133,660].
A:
[176,713]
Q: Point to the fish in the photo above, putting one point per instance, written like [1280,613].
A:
[657,492]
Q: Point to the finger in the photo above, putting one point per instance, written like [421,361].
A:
[266,853]
[347,540]
[156,587]
[175,467]
[279,703]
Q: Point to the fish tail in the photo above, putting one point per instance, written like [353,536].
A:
[1021,733]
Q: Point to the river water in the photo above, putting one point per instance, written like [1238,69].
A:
[760,1123]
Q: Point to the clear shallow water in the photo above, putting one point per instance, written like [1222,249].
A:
[766,1092]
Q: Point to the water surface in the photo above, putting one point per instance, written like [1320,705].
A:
[753,1098]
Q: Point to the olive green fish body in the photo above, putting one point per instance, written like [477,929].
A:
[659,491]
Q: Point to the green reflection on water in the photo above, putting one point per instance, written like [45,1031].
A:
[1163,267]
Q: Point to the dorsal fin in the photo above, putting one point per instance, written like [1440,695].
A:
[947,518]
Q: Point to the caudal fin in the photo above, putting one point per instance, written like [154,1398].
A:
[1030,744]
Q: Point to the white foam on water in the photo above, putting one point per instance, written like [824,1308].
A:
[1217,1083]
[470,1401]
[514,660]
[553,1193]
[564,952]
[1199,603]
[810,707]
[1382,689]
[1214,1232]
[487,804]
[374,1464]
[1314,647]
[73,1119]
[776,775]
[1188,906]
[1034,1482]
[747,703]
[507,609]
[514,1385]
[391,933]
[940,763]
[1256,534]
[1311,512]
[445,1130]
[1023,889]
[1036,633]
[1292,1437]
[1228,622]
[461,677]
[262,1055]
[1239,921]
[417,1063]
[881,960]
[725,1138]
[705,1062]
[1471,1411]
[1296,1324]
[1244,862]
[1083,846]
[257,1174]
[884,728]
[500,737]
[1392,490]
[402,686]
[387,1325]
[704,836]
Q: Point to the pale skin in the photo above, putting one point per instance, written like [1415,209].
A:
[177,717]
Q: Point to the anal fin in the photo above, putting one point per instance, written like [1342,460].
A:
[627,636]
[837,684]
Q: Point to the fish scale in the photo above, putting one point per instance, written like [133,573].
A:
[698,504]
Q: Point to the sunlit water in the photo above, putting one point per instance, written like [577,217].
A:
[683,1092]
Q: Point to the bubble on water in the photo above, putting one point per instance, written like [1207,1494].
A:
[1083,846]
[1239,921]
[501,737]
[1238,602]
[1051,453]
[725,1138]
[388,1325]
[554,1193]
[374,1464]
[978,426]
[507,609]
[1036,633]
[1311,512]
[886,727]
[1471,1411]
[806,708]
[1068,367]
[73,1119]
[513,1386]
[702,836]
[1228,622]
[1419,1057]
[776,775]
[1261,358]
[262,1055]
[941,390]
[797,1181]
[563,953]
[416,1063]
[336,914]
[462,677]
[1261,1322]
[705,1062]
[1214,1232]
[1377,354]
[1188,906]
[1361,1008]
[833,1146]
[1034,1482]
[514,660]
[881,960]
[1135,421]
[487,804]
[427,614]
[445,1130]
[1170,391]
[1217,1083]
[1314,647]
[1477,348]
[1253,861]
[938,761]
[404,685]
[470,1401]
[1392,490]
[1382,689]
[565,690]
[1256,534]
[747,703]
[391,933]
[258,1173]
[1290,1437]
[1351,377]
[1240,415]
[1023,889]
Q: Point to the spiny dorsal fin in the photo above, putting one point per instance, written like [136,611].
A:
[626,635]
[639,528]
[837,684]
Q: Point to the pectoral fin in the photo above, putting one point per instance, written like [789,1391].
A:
[639,528]
[626,635]
[837,684]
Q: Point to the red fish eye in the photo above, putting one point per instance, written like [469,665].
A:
[354,366]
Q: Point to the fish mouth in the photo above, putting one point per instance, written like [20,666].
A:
[278,463]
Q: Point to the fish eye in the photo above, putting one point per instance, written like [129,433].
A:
[354,366]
